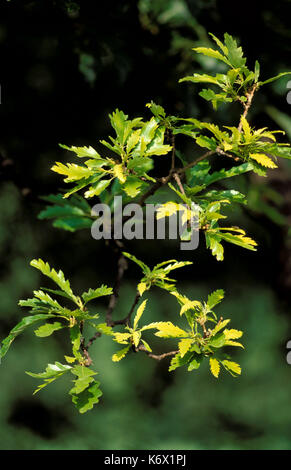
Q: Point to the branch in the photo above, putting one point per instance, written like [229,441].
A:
[174,171]
[121,268]
[173,151]
[247,105]
[84,348]
[160,182]
[157,357]
[179,183]
[190,165]
[126,320]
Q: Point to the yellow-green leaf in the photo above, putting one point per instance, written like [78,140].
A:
[214,367]
[211,53]
[233,343]
[136,338]
[72,171]
[168,330]
[191,304]
[219,326]
[139,313]
[146,345]
[70,359]
[246,129]
[184,346]
[120,354]
[142,287]
[232,366]
[119,173]
[168,209]
[232,334]
[122,338]
[263,160]
[133,140]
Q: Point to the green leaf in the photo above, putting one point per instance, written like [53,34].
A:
[82,151]
[57,277]
[85,400]
[230,195]
[173,265]
[211,53]
[240,240]
[215,98]
[95,293]
[203,78]
[257,71]
[118,120]
[132,186]
[19,328]
[235,53]
[84,378]
[195,362]
[156,109]
[75,335]
[142,265]
[234,171]
[213,242]
[178,361]
[215,298]
[274,78]
[104,328]
[71,224]
[217,341]
[48,329]
[207,142]
[97,188]
[220,44]
[76,209]
[52,372]
[47,302]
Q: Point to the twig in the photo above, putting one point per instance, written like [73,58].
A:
[160,182]
[91,340]
[163,181]
[190,165]
[221,152]
[121,268]
[157,357]
[126,320]
[247,105]
[173,151]
[84,348]
[179,183]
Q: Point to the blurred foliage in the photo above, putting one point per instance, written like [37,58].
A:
[68,65]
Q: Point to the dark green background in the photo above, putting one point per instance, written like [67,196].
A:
[64,66]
